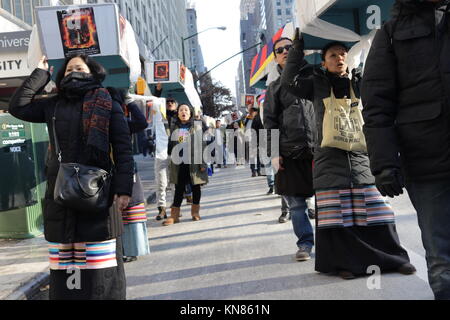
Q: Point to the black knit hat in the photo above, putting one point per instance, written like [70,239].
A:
[331,45]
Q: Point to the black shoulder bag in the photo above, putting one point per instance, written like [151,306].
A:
[80,187]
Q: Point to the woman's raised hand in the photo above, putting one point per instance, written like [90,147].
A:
[43,63]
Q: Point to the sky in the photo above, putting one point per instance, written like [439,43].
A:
[218,45]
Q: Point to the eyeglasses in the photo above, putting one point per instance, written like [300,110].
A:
[281,49]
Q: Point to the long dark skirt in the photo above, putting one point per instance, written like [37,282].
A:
[95,284]
[356,248]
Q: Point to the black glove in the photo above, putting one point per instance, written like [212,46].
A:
[298,43]
[390,182]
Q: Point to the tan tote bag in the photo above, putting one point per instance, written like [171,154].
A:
[343,123]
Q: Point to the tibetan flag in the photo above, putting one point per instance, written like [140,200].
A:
[264,61]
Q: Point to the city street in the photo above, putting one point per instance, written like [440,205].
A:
[323,73]
[239,251]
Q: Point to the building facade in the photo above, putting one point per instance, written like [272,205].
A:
[260,20]
[23,9]
[195,62]
[282,12]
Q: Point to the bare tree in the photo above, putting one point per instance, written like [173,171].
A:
[214,96]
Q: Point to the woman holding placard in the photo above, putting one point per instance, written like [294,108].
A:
[88,128]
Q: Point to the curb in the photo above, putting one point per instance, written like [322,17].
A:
[30,288]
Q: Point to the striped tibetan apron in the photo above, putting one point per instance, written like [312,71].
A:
[352,207]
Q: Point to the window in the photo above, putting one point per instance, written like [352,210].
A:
[144,12]
[279,2]
[279,12]
[288,12]
[6,4]
[18,9]
[28,12]
[138,26]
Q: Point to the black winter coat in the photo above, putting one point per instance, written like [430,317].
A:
[406,91]
[333,168]
[61,224]
[293,117]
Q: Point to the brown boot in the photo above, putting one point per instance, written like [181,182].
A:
[195,212]
[174,217]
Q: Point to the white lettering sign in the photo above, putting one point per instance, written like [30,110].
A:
[6,126]
[10,64]
[6,142]
[15,149]
[12,41]
[14,65]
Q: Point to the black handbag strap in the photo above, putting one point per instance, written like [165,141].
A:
[57,150]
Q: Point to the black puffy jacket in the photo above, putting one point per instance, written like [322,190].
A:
[405,92]
[294,118]
[61,224]
[333,168]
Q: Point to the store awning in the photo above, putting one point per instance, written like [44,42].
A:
[353,22]
[342,20]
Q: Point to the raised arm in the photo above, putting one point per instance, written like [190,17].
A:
[297,75]
[22,104]
[137,122]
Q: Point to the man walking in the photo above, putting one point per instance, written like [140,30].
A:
[221,143]
[251,150]
[161,157]
[406,97]
[293,180]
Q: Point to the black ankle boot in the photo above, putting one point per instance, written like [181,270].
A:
[162,213]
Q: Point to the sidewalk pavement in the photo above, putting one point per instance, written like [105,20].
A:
[24,263]
[239,251]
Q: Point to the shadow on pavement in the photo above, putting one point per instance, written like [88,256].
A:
[193,272]
[190,243]
[229,291]
[207,230]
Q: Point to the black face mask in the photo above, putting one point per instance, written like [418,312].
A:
[77,84]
